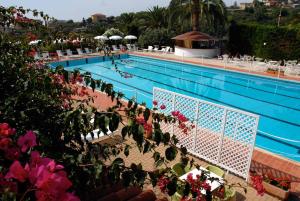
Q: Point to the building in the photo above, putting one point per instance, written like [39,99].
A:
[243,6]
[98,17]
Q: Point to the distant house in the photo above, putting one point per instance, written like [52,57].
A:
[271,3]
[98,17]
[243,6]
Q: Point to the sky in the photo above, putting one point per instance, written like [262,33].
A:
[77,9]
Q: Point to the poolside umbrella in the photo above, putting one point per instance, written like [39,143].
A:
[130,37]
[34,42]
[115,37]
[101,38]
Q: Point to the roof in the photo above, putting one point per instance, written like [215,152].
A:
[194,36]
[99,14]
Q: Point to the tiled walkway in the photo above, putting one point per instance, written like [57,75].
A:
[261,161]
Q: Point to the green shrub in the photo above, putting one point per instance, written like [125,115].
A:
[156,37]
[270,42]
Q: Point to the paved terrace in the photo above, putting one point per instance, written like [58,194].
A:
[262,161]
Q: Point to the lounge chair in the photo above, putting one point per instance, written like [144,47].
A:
[46,56]
[128,47]
[114,47]
[36,56]
[60,54]
[218,171]
[150,49]
[70,54]
[87,50]
[260,66]
[79,51]
[156,49]
[167,50]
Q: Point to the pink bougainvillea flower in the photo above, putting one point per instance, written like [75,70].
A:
[155,103]
[4,143]
[175,113]
[27,141]
[17,172]
[52,166]
[162,107]
[6,130]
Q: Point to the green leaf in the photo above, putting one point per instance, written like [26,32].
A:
[172,187]
[147,146]
[127,177]
[157,136]
[124,131]
[126,150]
[114,123]
[171,153]
[156,156]
[93,84]
[183,150]
[129,103]
[118,161]
[166,138]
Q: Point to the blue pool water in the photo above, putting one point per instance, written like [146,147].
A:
[277,102]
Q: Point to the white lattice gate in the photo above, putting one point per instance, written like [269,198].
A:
[222,135]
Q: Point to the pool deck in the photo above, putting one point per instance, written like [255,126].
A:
[215,63]
[262,161]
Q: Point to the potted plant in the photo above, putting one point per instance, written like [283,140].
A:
[276,186]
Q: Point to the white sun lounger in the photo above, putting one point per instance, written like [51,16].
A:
[70,54]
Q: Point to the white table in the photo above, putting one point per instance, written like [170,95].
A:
[214,185]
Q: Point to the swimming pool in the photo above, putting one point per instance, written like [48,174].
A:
[277,102]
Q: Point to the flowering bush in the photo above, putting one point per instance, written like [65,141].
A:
[281,182]
[257,184]
[27,174]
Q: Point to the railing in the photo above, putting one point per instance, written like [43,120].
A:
[222,135]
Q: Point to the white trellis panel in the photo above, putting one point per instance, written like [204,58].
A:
[222,135]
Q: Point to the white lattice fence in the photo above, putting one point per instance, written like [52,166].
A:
[222,135]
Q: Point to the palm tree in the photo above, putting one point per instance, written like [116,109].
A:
[208,12]
[156,17]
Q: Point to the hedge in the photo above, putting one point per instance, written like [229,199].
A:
[265,41]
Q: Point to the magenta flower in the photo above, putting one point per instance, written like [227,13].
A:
[27,141]
[155,103]
[17,172]
[175,113]
[162,107]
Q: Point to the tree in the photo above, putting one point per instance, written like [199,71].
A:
[156,17]
[210,13]
[113,31]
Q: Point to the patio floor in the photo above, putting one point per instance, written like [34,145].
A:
[262,161]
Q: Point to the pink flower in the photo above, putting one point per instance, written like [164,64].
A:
[162,107]
[4,143]
[27,141]
[17,172]
[155,103]
[5,130]
[175,113]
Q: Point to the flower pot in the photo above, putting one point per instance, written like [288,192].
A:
[275,191]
